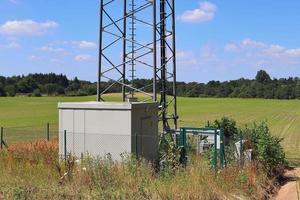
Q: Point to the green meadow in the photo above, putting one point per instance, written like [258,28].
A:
[283,116]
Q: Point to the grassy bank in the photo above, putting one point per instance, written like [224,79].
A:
[32,171]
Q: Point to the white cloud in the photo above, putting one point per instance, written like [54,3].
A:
[231,47]
[209,51]
[186,58]
[205,12]
[11,45]
[244,45]
[237,59]
[83,44]
[14,45]
[26,27]
[57,62]
[293,52]
[52,49]
[86,45]
[248,43]
[252,47]
[183,54]
[34,58]
[83,58]
[274,50]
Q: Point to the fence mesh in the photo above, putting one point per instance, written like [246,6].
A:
[13,135]
[103,144]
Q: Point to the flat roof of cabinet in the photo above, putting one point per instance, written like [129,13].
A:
[93,105]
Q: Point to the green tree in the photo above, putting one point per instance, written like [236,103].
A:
[269,91]
[10,90]
[262,77]
[26,85]
[50,88]
[60,90]
[282,92]
[37,93]
[2,80]
[248,91]
[74,85]
[224,90]
[259,90]
[2,91]
[297,89]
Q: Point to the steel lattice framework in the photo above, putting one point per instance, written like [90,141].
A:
[134,37]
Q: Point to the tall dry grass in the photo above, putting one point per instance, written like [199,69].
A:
[33,171]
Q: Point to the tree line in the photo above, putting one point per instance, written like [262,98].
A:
[263,86]
[45,84]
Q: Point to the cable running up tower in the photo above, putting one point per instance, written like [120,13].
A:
[132,47]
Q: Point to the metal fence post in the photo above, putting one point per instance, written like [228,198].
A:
[221,150]
[215,152]
[182,142]
[136,146]
[48,132]
[1,137]
[65,144]
[241,149]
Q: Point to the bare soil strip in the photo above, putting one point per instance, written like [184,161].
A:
[290,190]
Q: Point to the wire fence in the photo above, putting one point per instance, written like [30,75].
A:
[13,135]
[78,143]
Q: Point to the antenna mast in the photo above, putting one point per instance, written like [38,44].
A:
[135,24]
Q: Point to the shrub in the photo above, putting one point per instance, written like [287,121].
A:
[228,127]
[60,90]
[170,154]
[50,88]
[10,90]
[267,148]
[37,93]
[81,93]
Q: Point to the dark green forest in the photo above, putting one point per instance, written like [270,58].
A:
[262,86]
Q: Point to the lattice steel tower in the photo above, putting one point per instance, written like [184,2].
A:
[137,41]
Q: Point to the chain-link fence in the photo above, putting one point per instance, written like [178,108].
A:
[13,135]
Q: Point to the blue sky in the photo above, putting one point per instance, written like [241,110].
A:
[216,39]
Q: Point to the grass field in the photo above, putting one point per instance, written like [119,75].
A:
[283,116]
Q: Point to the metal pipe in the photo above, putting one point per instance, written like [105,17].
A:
[100,52]
[215,152]
[221,149]
[174,65]
[154,52]
[65,145]
[163,64]
[241,150]
[124,50]
[136,146]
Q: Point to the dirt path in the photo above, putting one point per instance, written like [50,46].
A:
[290,190]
